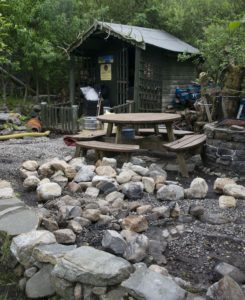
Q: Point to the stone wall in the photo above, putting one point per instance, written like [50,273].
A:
[225,147]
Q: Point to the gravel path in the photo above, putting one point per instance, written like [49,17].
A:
[191,256]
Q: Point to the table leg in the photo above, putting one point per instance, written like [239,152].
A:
[170,132]
[156,129]
[109,129]
[119,134]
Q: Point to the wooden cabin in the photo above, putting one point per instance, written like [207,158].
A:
[130,62]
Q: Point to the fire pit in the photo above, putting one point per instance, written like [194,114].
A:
[225,145]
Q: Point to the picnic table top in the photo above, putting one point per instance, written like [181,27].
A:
[139,118]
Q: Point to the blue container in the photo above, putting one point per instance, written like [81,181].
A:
[128,133]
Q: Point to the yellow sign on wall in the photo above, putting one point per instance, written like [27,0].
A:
[105,72]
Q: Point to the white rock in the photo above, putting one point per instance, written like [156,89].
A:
[92,192]
[6,190]
[31,182]
[139,170]
[170,192]
[60,180]
[199,187]
[144,209]
[149,184]
[30,165]
[77,163]
[48,191]
[235,190]
[109,162]
[114,196]
[25,173]
[43,181]
[106,171]
[220,183]
[227,202]
[91,214]
[125,176]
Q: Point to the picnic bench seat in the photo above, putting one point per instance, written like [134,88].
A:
[177,132]
[101,147]
[186,147]
[70,140]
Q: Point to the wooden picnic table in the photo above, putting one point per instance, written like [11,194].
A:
[136,119]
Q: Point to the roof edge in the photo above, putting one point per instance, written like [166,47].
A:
[107,29]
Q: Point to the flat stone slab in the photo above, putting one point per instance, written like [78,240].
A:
[91,266]
[11,202]
[149,285]
[51,253]
[17,219]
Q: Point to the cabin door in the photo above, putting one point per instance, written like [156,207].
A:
[122,76]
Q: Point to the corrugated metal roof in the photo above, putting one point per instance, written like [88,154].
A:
[139,36]
[155,37]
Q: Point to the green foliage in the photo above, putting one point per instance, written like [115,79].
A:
[35,34]
[5,248]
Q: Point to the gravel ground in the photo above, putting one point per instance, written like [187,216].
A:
[191,256]
[14,152]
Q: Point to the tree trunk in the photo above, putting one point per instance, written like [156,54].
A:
[37,88]
[17,80]
[232,81]
[48,91]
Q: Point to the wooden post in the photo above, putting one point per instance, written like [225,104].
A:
[72,79]
[136,78]
[44,114]
[170,131]
[74,118]
[182,164]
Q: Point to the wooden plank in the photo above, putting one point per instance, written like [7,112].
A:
[107,146]
[164,131]
[186,142]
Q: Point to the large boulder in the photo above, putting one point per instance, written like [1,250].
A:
[170,192]
[225,289]
[92,267]
[48,191]
[39,285]
[17,218]
[23,244]
[149,285]
[226,269]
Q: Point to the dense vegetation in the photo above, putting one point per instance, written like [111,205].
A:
[34,34]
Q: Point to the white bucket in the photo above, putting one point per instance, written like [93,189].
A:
[91,123]
[106,109]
